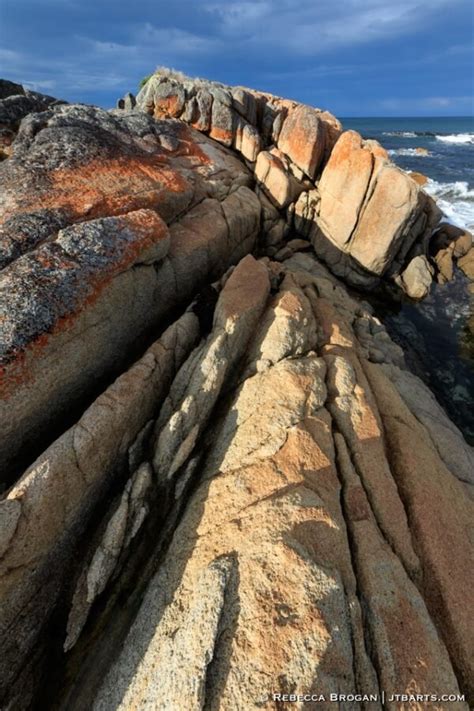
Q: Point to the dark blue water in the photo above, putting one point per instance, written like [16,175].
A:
[436,334]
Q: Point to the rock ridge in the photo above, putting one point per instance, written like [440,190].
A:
[366,218]
[221,481]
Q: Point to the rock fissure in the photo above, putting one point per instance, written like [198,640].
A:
[340,442]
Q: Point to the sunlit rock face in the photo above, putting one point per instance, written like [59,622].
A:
[89,262]
[365,217]
[221,483]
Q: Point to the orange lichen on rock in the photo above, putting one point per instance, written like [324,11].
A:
[303,139]
[222,135]
[167,107]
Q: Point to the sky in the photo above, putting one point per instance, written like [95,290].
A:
[353,57]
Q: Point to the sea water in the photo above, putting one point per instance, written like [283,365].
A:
[435,333]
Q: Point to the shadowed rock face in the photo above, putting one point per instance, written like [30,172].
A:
[222,483]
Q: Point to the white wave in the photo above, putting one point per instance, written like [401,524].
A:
[410,152]
[460,138]
[400,134]
[456,200]
[458,189]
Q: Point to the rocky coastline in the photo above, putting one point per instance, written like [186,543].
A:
[222,482]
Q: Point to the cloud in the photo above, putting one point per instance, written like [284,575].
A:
[50,74]
[175,41]
[110,65]
[170,41]
[8,57]
[96,51]
[309,28]
[238,17]
[42,85]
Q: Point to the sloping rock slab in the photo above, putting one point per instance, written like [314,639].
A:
[77,298]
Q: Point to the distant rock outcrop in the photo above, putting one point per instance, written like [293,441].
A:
[222,484]
[362,213]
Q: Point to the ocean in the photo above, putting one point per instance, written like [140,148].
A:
[437,333]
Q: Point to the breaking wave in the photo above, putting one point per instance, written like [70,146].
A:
[455,138]
[402,134]
[456,200]
[461,138]
[410,152]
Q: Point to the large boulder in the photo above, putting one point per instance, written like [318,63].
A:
[369,209]
[417,277]
[277,182]
[303,139]
[223,486]
[94,290]
[194,514]
[369,212]
[305,134]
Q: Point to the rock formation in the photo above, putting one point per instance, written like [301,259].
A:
[89,263]
[362,214]
[222,483]
[16,103]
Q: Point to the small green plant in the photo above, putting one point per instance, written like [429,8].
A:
[144,81]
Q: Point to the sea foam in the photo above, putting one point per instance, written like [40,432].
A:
[456,200]
[461,138]
[414,152]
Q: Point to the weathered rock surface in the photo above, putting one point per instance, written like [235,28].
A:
[306,520]
[46,511]
[466,263]
[244,118]
[369,208]
[88,291]
[419,178]
[222,482]
[368,213]
[417,277]
[16,103]
[449,246]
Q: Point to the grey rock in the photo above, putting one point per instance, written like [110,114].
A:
[10,88]
[47,511]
